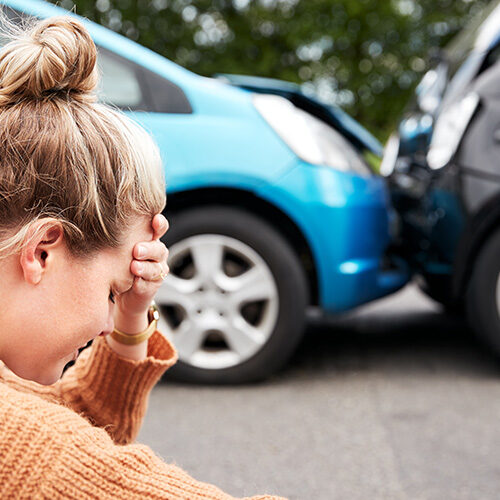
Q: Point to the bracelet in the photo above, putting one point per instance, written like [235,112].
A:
[133,339]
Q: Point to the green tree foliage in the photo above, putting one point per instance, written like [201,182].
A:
[365,55]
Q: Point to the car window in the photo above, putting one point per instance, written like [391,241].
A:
[166,97]
[119,82]
[129,86]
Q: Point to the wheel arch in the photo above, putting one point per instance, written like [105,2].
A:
[248,201]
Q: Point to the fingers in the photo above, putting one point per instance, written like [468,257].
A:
[160,226]
[150,257]
[155,249]
[150,250]
[149,271]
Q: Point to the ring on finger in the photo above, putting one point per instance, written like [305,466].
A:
[162,276]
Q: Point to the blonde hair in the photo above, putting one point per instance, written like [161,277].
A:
[62,154]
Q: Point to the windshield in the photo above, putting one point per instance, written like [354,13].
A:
[478,34]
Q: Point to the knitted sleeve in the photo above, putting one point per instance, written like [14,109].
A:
[48,451]
[110,391]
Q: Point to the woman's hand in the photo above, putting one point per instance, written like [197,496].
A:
[148,264]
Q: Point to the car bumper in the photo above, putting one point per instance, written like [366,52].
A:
[346,220]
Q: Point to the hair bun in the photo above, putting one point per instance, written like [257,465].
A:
[55,57]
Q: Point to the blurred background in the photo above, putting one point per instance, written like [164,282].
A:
[365,56]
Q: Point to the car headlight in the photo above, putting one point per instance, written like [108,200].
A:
[449,129]
[311,139]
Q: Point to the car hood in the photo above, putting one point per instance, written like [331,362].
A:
[331,114]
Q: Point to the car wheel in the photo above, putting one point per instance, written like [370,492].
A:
[483,293]
[234,301]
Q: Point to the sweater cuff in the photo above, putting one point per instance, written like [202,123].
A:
[117,388]
[124,380]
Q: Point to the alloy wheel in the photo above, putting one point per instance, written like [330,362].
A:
[219,302]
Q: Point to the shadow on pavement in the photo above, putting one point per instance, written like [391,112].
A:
[406,343]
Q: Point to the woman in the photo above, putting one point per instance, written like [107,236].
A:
[81,193]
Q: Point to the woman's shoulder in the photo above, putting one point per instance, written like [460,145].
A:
[22,411]
[35,435]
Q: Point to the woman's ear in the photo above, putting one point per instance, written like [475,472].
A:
[43,238]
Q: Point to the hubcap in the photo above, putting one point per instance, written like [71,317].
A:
[219,302]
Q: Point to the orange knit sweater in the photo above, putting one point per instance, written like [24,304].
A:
[72,439]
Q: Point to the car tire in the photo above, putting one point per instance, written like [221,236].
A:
[198,233]
[483,293]
[438,289]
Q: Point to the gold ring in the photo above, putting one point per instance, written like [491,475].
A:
[162,276]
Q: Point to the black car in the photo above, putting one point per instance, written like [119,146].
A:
[443,167]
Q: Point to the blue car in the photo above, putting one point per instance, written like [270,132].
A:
[272,205]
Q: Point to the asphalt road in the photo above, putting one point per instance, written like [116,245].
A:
[396,401]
